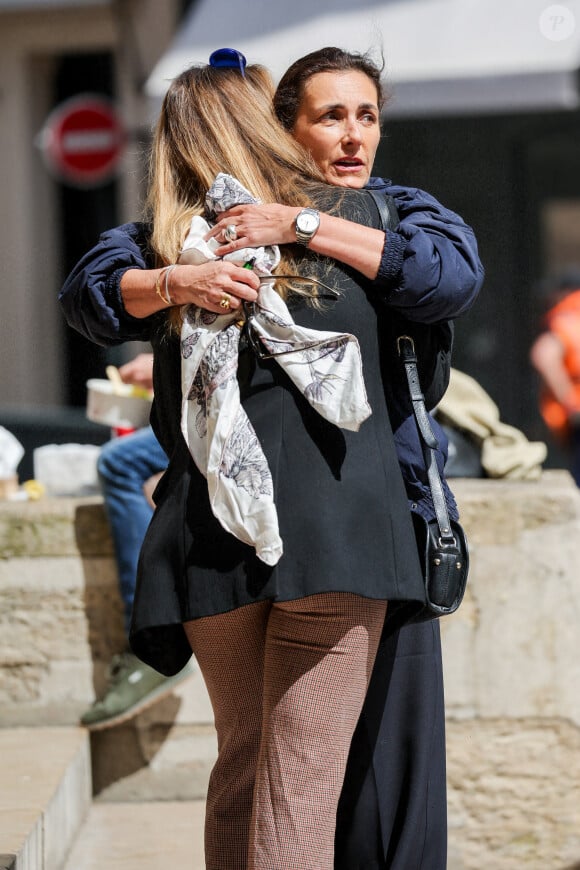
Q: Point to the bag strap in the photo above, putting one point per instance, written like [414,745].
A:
[386,208]
[406,349]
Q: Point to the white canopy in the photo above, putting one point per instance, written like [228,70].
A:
[442,56]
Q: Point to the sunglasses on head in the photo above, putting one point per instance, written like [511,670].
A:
[228,58]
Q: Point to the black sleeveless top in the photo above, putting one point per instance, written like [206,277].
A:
[342,508]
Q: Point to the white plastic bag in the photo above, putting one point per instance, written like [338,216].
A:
[67,469]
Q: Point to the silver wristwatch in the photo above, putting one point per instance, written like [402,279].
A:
[306,224]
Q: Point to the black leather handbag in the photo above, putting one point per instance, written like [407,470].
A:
[442,542]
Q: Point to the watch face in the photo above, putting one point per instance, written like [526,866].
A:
[307,222]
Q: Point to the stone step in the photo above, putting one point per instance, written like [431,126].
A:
[153,835]
[126,836]
[165,753]
[45,794]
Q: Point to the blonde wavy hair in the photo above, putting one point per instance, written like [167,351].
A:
[216,120]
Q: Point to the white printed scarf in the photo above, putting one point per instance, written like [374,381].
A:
[325,366]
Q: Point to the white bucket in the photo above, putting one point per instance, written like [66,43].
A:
[121,406]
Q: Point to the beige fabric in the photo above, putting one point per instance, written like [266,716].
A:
[505,450]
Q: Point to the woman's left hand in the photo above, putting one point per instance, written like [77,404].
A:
[254,226]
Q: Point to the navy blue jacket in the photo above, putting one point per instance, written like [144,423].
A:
[430,273]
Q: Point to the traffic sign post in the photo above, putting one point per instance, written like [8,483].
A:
[83,141]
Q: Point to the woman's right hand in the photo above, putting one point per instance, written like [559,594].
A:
[209,284]
[217,285]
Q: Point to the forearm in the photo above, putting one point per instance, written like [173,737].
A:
[562,387]
[142,291]
[148,291]
[111,294]
[350,243]
[560,384]
[428,268]
[547,357]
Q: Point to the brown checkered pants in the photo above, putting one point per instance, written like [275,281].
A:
[287,683]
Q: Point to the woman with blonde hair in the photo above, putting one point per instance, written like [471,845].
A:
[275,562]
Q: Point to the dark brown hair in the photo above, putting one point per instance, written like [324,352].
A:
[290,91]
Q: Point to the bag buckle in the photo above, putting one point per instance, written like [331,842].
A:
[405,338]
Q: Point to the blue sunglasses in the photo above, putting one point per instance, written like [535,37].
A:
[228,58]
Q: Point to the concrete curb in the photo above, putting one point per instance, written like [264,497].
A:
[45,794]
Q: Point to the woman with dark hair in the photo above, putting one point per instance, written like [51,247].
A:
[285,640]
[393,810]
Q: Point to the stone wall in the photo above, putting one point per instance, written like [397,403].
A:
[60,613]
[512,668]
[512,678]
[60,624]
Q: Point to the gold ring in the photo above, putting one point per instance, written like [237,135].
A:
[225,302]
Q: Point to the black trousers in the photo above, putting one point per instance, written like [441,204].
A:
[392,813]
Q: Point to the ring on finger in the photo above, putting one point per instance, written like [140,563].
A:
[231,233]
[225,302]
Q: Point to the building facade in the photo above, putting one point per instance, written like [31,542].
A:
[485,115]
[49,52]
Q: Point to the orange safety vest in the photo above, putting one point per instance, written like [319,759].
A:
[563,321]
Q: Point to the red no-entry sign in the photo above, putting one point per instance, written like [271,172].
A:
[83,140]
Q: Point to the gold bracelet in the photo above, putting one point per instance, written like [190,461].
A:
[158,286]
[165,297]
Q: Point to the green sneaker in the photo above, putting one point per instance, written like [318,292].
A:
[133,686]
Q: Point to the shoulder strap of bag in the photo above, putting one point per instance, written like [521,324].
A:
[406,348]
[387,209]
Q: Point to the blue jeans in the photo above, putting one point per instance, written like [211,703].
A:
[123,466]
